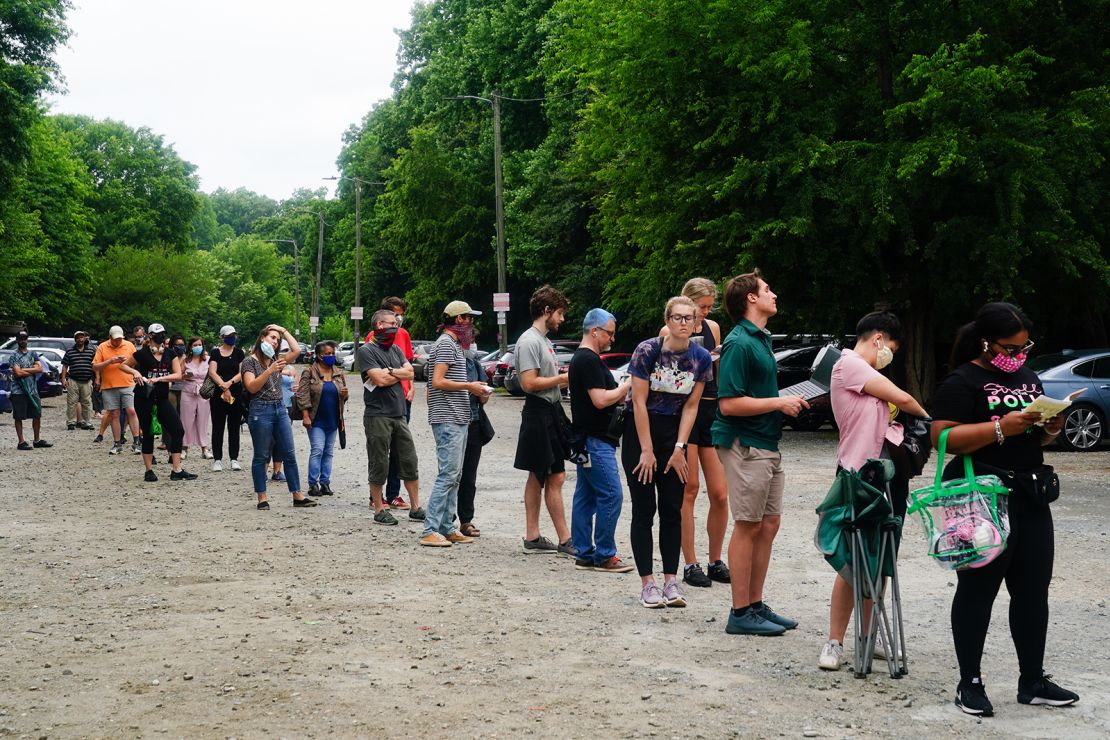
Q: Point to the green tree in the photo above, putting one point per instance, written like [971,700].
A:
[241,208]
[143,193]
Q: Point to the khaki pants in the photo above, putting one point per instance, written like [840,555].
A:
[77,391]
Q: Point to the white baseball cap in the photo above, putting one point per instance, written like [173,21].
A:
[227,330]
[156,328]
[116,332]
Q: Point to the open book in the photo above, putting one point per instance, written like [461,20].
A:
[1049,407]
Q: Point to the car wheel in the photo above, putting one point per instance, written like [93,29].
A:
[1084,428]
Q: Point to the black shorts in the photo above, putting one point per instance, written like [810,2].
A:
[702,433]
[539,448]
[22,408]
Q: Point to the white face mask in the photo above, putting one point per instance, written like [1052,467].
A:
[883,357]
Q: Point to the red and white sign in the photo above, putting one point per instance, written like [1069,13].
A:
[500,301]
[356,313]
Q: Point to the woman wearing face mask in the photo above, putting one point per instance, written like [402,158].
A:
[176,346]
[861,398]
[157,366]
[322,394]
[195,411]
[267,418]
[981,402]
[226,407]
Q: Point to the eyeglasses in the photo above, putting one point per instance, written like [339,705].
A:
[1011,350]
[612,334]
[681,318]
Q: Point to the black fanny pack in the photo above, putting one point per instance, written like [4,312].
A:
[1040,485]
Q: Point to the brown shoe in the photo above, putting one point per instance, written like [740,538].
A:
[458,538]
[435,539]
[614,565]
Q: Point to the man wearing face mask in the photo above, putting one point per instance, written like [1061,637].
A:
[77,380]
[403,342]
[449,413]
[384,367]
[26,367]
[861,400]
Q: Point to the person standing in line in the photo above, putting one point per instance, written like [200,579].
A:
[449,416]
[475,440]
[861,398]
[267,418]
[195,409]
[541,444]
[77,380]
[322,396]
[288,389]
[388,437]
[226,407]
[26,366]
[594,396]
[403,342]
[117,387]
[155,366]
[138,335]
[668,377]
[746,432]
[701,455]
[176,346]
[981,402]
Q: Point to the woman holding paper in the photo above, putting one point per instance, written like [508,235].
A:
[983,400]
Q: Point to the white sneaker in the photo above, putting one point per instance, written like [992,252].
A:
[184,454]
[880,649]
[217,466]
[831,657]
[235,465]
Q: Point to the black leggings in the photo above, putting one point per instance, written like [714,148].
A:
[232,416]
[669,488]
[1026,567]
[172,431]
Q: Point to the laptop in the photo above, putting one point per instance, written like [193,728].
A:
[821,379]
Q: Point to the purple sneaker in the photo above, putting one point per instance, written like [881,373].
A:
[651,597]
[672,594]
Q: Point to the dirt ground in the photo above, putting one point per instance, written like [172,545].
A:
[177,609]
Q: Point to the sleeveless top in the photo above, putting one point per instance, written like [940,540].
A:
[710,344]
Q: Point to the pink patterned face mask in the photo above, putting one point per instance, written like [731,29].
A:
[1008,364]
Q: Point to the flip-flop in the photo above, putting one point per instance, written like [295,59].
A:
[470,530]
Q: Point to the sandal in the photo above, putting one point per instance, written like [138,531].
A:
[263,506]
[470,530]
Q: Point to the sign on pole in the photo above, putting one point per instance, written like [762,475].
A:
[501,318]
[356,313]
[500,303]
[313,321]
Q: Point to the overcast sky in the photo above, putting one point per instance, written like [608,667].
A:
[256,93]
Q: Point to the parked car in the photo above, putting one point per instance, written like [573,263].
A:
[344,350]
[489,363]
[5,389]
[62,343]
[795,364]
[564,351]
[420,357]
[49,382]
[1063,373]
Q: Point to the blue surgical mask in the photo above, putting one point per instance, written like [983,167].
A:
[328,360]
[268,350]
[198,351]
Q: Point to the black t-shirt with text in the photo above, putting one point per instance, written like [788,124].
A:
[973,395]
[588,371]
[153,367]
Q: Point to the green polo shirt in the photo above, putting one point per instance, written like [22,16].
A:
[748,369]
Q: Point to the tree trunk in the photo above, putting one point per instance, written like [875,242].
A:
[919,346]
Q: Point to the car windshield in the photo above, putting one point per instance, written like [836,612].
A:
[1044,362]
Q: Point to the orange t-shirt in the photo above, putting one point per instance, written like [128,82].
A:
[112,376]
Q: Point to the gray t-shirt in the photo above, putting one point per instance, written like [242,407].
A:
[448,407]
[534,351]
[386,400]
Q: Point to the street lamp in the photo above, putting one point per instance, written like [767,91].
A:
[319,268]
[498,197]
[358,242]
[296,282]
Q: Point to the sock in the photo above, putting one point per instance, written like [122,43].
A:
[757,605]
[742,611]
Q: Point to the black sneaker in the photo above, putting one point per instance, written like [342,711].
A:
[718,572]
[99,438]
[150,477]
[183,474]
[695,576]
[70,427]
[1045,692]
[971,698]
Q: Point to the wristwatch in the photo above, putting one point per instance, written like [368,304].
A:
[680,446]
[390,370]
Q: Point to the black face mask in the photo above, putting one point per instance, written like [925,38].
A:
[179,349]
[157,338]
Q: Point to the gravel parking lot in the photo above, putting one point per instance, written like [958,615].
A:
[134,609]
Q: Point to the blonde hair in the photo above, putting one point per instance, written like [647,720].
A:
[678,300]
[699,287]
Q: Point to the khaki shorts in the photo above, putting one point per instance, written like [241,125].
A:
[118,399]
[755,482]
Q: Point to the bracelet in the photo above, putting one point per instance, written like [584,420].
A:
[998,435]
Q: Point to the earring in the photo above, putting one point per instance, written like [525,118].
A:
[986,346]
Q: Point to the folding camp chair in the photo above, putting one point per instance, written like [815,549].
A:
[858,534]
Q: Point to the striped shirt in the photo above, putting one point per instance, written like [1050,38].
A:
[448,407]
[79,363]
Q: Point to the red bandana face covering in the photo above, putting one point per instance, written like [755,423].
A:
[385,336]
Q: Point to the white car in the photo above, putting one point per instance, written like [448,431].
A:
[349,362]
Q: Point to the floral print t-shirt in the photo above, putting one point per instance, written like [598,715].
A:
[670,375]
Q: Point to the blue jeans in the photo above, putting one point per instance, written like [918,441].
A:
[323,450]
[597,503]
[444,498]
[269,425]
